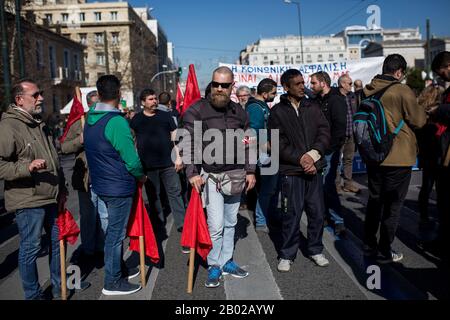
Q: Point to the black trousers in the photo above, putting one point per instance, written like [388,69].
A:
[429,177]
[388,187]
[443,204]
[300,193]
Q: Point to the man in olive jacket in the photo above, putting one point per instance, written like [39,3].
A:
[389,181]
[34,182]
[93,211]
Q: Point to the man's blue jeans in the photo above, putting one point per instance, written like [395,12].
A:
[118,213]
[30,222]
[332,201]
[267,199]
[222,219]
[93,221]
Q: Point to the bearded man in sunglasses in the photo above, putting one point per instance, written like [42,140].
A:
[34,183]
[219,116]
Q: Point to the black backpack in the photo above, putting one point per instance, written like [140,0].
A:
[371,134]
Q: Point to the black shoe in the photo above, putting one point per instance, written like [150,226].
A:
[391,257]
[180,229]
[121,287]
[130,273]
[185,250]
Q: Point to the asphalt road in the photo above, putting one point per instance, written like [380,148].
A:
[419,276]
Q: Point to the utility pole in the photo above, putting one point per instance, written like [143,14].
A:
[428,50]
[19,40]
[105,41]
[5,56]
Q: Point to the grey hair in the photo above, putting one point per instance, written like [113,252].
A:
[90,95]
[341,78]
[243,88]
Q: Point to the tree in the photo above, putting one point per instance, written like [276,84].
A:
[414,80]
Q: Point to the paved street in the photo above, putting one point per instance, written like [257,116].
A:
[419,276]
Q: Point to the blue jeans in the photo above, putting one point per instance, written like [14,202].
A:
[332,202]
[118,213]
[93,214]
[267,198]
[30,222]
[222,219]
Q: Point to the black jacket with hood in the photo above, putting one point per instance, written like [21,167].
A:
[334,107]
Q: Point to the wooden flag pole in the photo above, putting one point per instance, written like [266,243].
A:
[191,270]
[142,259]
[62,253]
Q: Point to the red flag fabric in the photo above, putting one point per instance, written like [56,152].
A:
[179,98]
[139,225]
[195,230]
[192,92]
[76,112]
[68,228]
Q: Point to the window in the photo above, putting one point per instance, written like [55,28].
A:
[82,16]
[65,17]
[98,16]
[49,17]
[55,101]
[331,56]
[86,77]
[327,41]
[66,60]
[51,56]
[99,38]
[114,15]
[286,49]
[341,55]
[115,38]
[85,58]
[76,62]
[265,58]
[116,56]
[39,54]
[100,58]
[83,38]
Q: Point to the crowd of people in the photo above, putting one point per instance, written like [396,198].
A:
[316,146]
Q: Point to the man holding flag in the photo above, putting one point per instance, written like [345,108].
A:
[34,183]
[114,169]
[219,112]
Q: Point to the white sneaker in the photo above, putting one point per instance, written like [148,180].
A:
[284,265]
[320,260]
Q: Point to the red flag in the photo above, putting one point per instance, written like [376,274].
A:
[195,230]
[68,228]
[192,92]
[139,225]
[179,98]
[76,112]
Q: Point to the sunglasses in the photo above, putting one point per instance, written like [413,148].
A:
[215,84]
[34,95]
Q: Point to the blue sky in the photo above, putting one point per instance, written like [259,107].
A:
[205,32]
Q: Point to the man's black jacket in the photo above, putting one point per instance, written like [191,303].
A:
[334,107]
[299,134]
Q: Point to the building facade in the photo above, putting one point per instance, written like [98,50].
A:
[164,49]
[116,39]
[286,51]
[357,38]
[53,61]
[411,50]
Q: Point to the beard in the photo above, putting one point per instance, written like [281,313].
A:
[37,110]
[220,100]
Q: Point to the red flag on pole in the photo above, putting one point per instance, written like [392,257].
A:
[68,228]
[76,112]
[195,230]
[179,98]
[139,225]
[192,93]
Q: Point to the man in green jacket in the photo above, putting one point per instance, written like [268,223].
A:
[93,212]
[34,182]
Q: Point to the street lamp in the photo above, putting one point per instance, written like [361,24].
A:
[297,3]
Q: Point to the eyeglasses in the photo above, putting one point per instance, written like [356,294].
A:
[34,95]
[215,84]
